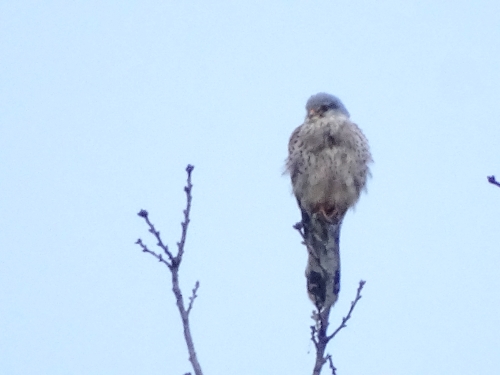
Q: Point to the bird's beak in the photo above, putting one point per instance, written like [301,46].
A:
[312,112]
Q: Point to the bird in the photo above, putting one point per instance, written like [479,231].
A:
[329,163]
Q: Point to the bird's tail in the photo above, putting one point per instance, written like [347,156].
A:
[323,266]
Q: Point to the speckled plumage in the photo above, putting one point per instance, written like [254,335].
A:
[328,158]
[328,163]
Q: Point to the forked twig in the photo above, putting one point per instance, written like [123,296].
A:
[492,180]
[348,316]
[319,335]
[173,263]
[320,338]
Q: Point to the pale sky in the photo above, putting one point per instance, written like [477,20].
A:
[103,104]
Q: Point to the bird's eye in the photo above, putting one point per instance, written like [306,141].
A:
[323,108]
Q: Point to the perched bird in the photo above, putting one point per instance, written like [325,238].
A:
[328,162]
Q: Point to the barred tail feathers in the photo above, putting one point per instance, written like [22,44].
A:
[323,265]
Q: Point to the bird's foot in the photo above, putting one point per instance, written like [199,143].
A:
[328,214]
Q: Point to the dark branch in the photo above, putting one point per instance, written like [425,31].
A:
[185,223]
[320,338]
[313,336]
[173,263]
[157,256]
[193,296]
[348,316]
[298,226]
[332,367]
[491,180]
[319,335]
[144,214]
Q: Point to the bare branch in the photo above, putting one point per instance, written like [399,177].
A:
[300,228]
[193,296]
[173,264]
[319,336]
[332,367]
[353,305]
[491,180]
[145,215]
[185,223]
[313,336]
[320,340]
[157,256]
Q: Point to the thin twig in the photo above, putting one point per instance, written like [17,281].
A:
[332,367]
[299,227]
[348,316]
[185,223]
[313,336]
[491,180]
[320,337]
[193,296]
[321,317]
[145,215]
[173,265]
[157,256]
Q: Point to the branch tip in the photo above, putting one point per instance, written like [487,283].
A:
[193,296]
[348,316]
[332,367]
[173,263]
[492,180]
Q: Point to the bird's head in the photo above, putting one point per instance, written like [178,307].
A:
[320,103]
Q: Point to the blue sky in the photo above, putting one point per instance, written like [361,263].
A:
[105,103]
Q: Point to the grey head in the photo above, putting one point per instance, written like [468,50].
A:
[320,103]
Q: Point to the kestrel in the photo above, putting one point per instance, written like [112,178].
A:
[328,162]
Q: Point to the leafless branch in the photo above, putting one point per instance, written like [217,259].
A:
[353,305]
[492,180]
[299,227]
[185,223]
[144,214]
[319,335]
[173,263]
[320,338]
[146,250]
[332,367]
[193,296]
